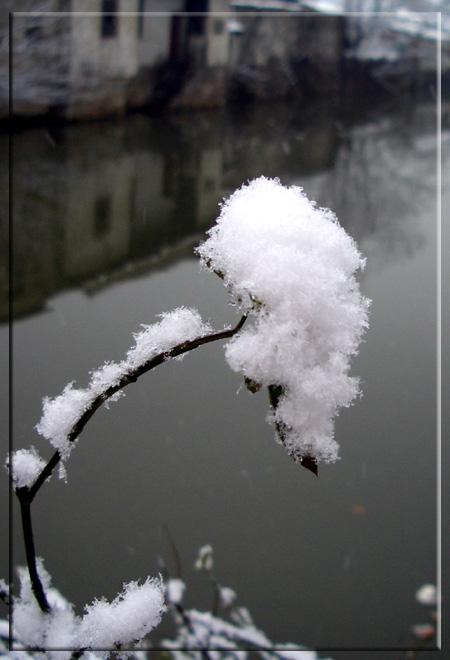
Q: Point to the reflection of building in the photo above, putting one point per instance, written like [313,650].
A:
[94,198]
[98,202]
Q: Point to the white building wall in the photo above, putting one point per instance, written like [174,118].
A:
[218,36]
[98,215]
[95,57]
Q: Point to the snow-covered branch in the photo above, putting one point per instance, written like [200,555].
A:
[291,267]
[231,635]
[65,416]
[116,625]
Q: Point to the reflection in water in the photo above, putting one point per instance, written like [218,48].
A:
[99,201]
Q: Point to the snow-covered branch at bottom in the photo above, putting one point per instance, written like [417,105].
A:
[104,627]
[230,636]
[206,631]
[116,628]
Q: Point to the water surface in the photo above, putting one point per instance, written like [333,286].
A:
[104,218]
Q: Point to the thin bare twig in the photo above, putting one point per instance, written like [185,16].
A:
[5,597]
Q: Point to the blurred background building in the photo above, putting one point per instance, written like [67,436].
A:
[83,59]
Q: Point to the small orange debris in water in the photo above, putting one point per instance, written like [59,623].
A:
[358,510]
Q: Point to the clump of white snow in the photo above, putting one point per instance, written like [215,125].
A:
[227,597]
[130,616]
[61,413]
[291,266]
[24,465]
[175,588]
[32,627]
[124,621]
[180,325]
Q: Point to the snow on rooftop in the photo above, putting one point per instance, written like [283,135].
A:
[412,18]
[290,265]
[280,5]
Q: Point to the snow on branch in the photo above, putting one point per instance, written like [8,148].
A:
[291,266]
[60,421]
[116,625]
[129,618]
[27,466]
[206,631]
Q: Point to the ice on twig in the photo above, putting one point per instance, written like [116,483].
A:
[291,266]
[208,631]
[24,465]
[35,629]
[61,413]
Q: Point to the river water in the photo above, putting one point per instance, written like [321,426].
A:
[105,217]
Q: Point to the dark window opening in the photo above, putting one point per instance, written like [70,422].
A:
[196,24]
[141,10]
[168,179]
[31,32]
[109,18]
[176,39]
[33,27]
[219,27]
[102,216]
